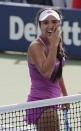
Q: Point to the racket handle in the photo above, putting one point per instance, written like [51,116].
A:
[67,126]
[66,119]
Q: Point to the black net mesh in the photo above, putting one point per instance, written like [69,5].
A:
[48,118]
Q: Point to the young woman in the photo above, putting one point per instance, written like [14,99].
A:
[45,61]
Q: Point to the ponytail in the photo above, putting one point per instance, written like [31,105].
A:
[60,55]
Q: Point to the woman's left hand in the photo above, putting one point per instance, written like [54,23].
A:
[67,106]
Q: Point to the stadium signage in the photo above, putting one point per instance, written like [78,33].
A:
[28,31]
[17,28]
[74,31]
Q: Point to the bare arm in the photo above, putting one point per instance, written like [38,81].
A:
[62,86]
[45,64]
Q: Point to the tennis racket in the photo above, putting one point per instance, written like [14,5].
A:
[67,126]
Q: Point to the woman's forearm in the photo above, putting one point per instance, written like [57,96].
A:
[49,64]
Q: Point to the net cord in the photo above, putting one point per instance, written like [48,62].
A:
[40,103]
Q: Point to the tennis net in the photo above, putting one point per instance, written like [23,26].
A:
[42,115]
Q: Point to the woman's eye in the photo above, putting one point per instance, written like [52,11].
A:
[55,22]
[45,22]
[52,22]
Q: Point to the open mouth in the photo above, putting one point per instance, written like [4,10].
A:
[49,32]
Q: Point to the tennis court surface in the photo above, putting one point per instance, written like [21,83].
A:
[15,81]
[12,118]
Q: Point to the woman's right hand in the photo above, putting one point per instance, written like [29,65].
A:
[55,35]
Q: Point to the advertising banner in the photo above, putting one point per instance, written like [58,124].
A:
[17,28]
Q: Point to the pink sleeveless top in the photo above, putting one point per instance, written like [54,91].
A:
[41,87]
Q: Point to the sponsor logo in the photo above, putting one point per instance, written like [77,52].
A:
[71,34]
[17,30]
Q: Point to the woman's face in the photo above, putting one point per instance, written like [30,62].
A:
[49,25]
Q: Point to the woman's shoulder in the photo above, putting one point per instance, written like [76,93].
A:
[35,45]
[32,50]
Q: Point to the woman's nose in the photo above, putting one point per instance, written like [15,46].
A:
[51,25]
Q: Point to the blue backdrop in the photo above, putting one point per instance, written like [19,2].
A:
[17,28]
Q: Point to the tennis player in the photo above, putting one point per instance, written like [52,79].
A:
[45,61]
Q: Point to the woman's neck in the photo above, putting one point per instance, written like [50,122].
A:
[45,39]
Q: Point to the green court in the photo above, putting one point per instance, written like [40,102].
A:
[15,80]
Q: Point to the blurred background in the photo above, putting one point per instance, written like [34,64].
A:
[17,30]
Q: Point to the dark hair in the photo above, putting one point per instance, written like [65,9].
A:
[60,55]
